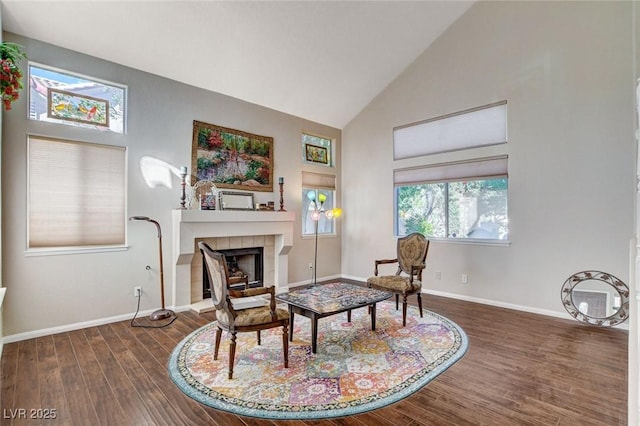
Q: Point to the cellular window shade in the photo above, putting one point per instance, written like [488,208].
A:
[76,194]
[482,126]
[445,172]
[318,181]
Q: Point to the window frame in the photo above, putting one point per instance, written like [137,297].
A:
[77,248]
[453,148]
[329,147]
[71,123]
[306,217]
[448,237]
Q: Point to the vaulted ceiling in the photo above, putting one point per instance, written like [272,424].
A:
[320,60]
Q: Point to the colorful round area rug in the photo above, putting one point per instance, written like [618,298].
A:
[355,369]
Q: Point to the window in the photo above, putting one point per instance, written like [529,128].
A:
[320,188]
[76,194]
[464,200]
[469,209]
[316,150]
[65,98]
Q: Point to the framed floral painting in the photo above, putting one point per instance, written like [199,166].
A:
[232,158]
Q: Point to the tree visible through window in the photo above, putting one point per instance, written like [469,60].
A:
[472,209]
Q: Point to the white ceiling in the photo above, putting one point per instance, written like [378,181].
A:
[320,60]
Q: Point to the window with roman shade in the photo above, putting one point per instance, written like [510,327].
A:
[76,194]
[459,199]
[320,184]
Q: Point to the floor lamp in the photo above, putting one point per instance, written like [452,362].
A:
[160,313]
[315,216]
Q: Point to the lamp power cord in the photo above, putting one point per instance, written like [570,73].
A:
[133,324]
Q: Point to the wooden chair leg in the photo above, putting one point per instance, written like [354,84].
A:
[404,310]
[232,354]
[397,298]
[218,336]
[285,345]
[258,337]
[420,304]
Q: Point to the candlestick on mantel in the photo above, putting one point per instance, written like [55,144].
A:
[183,183]
[281,183]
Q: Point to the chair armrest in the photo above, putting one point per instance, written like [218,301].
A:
[382,262]
[416,270]
[256,291]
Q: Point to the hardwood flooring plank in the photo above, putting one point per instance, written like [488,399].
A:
[520,369]
[8,381]
[187,410]
[108,410]
[77,394]
[54,408]
[122,387]
[27,395]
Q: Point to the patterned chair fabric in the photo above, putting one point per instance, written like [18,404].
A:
[241,320]
[412,252]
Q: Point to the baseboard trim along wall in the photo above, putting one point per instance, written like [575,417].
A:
[77,326]
[80,325]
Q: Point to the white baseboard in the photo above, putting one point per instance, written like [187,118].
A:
[101,321]
[523,308]
[80,325]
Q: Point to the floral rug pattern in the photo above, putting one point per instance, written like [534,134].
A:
[354,371]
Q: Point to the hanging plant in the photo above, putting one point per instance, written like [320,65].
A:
[10,73]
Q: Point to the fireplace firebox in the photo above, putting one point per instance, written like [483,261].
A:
[246,269]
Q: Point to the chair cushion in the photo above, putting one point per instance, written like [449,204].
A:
[252,316]
[395,283]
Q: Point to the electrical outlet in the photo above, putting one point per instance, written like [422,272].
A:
[310,265]
[137,291]
[464,279]
[438,275]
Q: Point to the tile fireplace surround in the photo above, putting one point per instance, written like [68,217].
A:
[229,228]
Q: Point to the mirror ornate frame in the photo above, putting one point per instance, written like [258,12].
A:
[620,287]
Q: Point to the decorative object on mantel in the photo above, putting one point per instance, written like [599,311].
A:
[183,184]
[281,183]
[10,72]
[203,196]
[232,158]
[231,200]
[162,313]
[315,216]
[596,298]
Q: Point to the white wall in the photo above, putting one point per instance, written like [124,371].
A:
[46,292]
[565,69]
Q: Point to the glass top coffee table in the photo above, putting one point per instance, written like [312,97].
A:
[324,300]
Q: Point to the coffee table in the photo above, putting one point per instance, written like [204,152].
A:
[324,300]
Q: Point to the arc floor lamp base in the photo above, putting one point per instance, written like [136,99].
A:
[161,314]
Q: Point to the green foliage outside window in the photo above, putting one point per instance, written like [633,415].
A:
[472,209]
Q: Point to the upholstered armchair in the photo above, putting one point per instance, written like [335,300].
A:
[412,253]
[230,317]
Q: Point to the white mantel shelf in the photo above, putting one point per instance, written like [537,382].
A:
[188,225]
[232,216]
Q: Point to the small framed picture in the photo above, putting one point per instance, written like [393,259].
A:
[316,154]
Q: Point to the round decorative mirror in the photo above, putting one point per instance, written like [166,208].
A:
[596,298]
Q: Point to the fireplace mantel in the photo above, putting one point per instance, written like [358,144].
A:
[191,224]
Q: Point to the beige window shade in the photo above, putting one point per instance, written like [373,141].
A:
[318,180]
[482,126]
[445,172]
[76,194]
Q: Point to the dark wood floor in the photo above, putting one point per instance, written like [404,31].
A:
[521,369]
